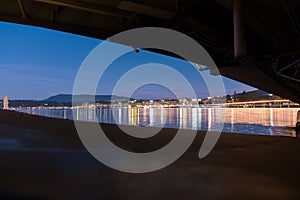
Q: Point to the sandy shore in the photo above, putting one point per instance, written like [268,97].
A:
[43,158]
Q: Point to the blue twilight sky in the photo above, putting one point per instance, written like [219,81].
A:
[36,63]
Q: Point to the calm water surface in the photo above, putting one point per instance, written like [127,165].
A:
[264,121]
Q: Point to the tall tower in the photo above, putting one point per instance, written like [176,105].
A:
[5,102]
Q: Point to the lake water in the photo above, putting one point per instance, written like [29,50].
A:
[263,121]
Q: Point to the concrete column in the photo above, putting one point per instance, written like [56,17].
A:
[239,28]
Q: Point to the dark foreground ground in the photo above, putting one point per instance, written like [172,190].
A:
[42,158]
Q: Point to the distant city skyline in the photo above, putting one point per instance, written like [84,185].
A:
[36,63]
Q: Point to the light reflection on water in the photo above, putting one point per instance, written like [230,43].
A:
[266,121]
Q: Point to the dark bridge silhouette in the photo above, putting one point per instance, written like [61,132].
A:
[256,42]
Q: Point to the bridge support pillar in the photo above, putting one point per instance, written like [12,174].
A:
[298,125]
[239,28]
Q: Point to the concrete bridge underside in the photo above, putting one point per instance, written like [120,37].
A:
[253,41]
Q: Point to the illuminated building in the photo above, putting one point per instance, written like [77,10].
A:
[5,102]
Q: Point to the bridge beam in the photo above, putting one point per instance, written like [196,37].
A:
[77,5]
[23,13]
[253,76]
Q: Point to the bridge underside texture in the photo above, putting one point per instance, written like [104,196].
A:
[252,41]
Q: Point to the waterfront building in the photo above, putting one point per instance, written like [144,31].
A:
[5,102]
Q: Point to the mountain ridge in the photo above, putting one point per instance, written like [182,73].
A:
[64,98]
